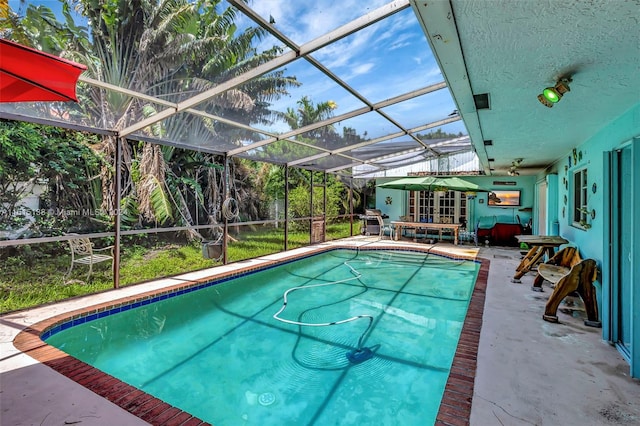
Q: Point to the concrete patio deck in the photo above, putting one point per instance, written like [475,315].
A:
[529,372]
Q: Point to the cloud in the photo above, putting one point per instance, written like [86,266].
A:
[303,21]
[362,68]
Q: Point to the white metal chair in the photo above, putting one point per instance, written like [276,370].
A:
[83,253]
[386,228]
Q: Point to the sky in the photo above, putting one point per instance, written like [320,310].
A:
[386,59]
[21,5]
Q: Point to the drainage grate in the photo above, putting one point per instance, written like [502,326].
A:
[266,399]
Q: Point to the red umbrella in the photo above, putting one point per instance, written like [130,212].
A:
[28,75]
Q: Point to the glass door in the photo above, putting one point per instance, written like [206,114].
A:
[621,245]
[439,207]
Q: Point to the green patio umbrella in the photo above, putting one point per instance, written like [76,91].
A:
[432,183]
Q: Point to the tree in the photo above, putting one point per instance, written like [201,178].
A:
[170,49]
[307,113]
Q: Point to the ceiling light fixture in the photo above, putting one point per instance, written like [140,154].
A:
[513,170]
[552,95]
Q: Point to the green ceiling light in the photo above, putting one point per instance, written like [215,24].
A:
[552,95]
[544,101]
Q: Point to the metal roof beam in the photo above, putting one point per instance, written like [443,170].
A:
[351,114]
[174,105]
[316,44]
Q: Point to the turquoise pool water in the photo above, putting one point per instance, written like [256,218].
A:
[219,353]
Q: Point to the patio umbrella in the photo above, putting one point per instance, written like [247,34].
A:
[433,183]
[29,75]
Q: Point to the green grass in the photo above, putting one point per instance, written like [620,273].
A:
[35,277]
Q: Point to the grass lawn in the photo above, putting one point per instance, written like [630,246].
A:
[35,277]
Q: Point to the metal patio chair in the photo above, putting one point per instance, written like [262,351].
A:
[83,253]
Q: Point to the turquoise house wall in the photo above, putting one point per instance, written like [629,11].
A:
[399,200]
[526,184]
[593,242]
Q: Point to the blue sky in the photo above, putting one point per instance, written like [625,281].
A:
[20,6]
[388,58]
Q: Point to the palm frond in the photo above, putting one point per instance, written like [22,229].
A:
[160,201]
[129,213]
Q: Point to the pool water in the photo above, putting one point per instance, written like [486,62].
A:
[219,353]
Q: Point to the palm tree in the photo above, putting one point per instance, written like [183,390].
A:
[307,113]
[170,49]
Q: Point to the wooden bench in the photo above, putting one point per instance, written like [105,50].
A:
[557,267]
[568,274]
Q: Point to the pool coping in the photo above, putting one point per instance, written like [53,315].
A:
[455,407]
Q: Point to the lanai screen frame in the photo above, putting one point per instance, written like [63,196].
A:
[402,143]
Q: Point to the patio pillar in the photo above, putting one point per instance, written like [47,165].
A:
[286,208]
[351,205]
[311,210]
[116,244]
[225,191]
[324,206]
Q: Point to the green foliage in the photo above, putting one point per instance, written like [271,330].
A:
[129,212]
[59,159]
[439,134]
[300,197]
[160,202]
[273,185]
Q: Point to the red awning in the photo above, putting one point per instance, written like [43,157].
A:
[28,75]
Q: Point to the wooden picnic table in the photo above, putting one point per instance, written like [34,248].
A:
[539,245]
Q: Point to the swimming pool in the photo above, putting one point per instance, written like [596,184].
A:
[240,365]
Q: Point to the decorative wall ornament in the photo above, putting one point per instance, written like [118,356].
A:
[388,200]
[594,187]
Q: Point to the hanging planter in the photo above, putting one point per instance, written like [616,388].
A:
[588,214]
[212,250]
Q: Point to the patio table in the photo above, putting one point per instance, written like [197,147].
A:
[427,225]
[539,245]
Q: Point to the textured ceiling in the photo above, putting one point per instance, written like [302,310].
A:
[513,49]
